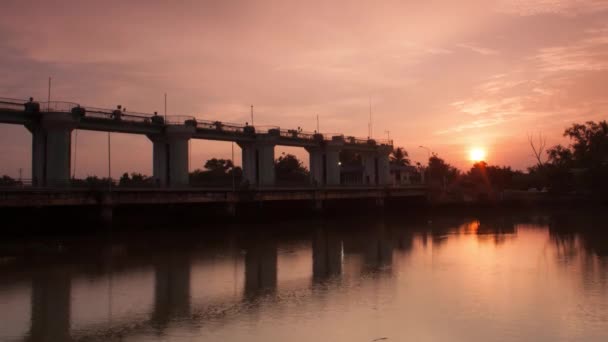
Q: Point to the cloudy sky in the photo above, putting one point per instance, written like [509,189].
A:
[449,75]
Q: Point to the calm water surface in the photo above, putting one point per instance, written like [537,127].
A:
[491,277]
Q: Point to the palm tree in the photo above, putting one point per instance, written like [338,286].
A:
[399,157]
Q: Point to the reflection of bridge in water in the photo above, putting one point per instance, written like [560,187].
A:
[51,289]
[53,280]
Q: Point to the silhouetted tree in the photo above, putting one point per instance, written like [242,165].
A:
[8,181]
[220,166]
[583,164]
[289,168]
[217,172]
[440,172]
[399,157]
[494,178]
[135,180]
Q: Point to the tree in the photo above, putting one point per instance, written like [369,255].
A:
[218,166]
[135,180]
[399,157]
[560,156]
[217,172]
[8,181]
[590,143]
[441,172]
[289,168]
[538,149]
[495,178]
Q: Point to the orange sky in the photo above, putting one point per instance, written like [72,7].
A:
[444,74]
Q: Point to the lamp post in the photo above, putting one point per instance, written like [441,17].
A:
[428,150]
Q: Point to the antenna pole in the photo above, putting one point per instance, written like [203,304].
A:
[318,123]
[233,181]
[370,118]
[165,107]
[75,152]
[251,115]
[109,165]
[49,97]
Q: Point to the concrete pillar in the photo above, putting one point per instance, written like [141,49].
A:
[316,164]
[52,148]
[50,312]
[370,168]
[384,170]
[332,156]
[325,162]
[258,162]
[170,156]
[160,165]
[376,166]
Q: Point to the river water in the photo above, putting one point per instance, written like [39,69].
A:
[493,276]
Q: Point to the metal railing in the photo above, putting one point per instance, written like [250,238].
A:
[227,128]
[12,104]
[57,106]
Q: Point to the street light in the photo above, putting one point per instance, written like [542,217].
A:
[427,149]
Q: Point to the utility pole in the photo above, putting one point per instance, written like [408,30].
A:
[75,152]
[369,126]
[233,181]
[318,131]
[49,96]
[165,108]
[251,115]
[428,150]
[388,134]
[109,165]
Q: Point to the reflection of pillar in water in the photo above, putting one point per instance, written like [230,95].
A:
[260,268]
[50,317]
[326,255]
[379,252]
[171,289]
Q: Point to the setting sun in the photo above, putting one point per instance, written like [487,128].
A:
[477,154]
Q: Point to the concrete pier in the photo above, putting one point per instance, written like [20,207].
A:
[170,156]
[51,148]
[376,167]
[258,162]
[325,162]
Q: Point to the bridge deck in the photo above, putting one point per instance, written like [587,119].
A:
[14,111]
[38,197]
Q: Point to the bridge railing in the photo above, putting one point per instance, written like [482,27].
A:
[57,106]
[216,126]
[181,120]
[12,104]
[296,134]
[118,115]
[223,127]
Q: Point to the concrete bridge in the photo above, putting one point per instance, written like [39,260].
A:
[51,124]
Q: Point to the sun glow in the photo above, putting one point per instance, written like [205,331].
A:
[477,154]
